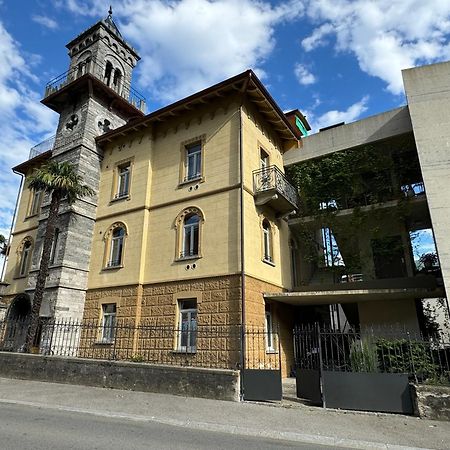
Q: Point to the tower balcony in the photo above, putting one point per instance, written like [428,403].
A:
[57,89]
[42,147]
[271,187]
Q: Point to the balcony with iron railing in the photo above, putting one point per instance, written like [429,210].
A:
[93,68]
[271,187]
[42,147]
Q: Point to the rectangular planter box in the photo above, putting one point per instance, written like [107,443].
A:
[382,392]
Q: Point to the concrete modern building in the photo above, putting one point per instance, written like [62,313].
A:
[194,220]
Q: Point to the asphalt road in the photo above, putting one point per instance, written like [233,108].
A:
[24,427]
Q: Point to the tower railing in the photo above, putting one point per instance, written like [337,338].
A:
[42,147]
[96,69]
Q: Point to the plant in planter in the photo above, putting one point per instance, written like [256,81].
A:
[363,356]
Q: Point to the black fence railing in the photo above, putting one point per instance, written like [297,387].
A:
[195,345]
[382,350]
[123,88]
[272,178]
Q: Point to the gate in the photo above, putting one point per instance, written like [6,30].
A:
[349,370]
[261,374]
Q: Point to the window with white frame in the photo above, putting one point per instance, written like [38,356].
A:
[270,337]
[116,247]
[267,241]
[187,326]
[36,197]
[108,322]
[193,162]
[264,160]
[25,258]
[123,180]
[190,236]
[55,247]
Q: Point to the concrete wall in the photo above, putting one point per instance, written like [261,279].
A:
[376,128]
[186,381]
[428,93]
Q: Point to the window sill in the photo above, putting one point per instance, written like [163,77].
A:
[118,199]
[187,258]
[113,267]
[20,277]
[184,352]
[199,179]
[106,343]
[271,351]
[270,263]
[30,216]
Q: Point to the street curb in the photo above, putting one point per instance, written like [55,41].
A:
[215,427]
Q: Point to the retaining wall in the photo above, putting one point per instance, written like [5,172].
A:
[185,381]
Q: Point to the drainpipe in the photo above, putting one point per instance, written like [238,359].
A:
[22,177]
[241,175]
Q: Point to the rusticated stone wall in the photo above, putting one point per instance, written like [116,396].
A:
[256,352]
[148,328]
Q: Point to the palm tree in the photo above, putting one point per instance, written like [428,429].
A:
[59,180]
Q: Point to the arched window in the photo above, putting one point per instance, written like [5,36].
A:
[115,243]
[189,233]
[117,80]
[25,256]
[108,73]
[267,241]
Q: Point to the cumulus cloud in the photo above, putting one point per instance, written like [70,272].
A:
[386,36]
[190,44]
[303,75]
[352,113]
[24,120]
[45,21]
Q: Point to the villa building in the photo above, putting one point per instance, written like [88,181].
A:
[193,220]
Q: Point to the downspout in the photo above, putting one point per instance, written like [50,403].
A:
[241,175]
[22,177]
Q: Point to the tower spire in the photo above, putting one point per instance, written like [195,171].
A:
[110,11]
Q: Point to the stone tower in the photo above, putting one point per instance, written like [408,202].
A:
[92,97]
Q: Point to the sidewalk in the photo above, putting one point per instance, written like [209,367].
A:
[300,423]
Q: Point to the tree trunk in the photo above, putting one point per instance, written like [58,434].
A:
[43,270]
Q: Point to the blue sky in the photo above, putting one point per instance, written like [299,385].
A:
[336,60]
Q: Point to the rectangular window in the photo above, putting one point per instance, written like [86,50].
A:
[55,247]
[187,326]
[108,322]
[35,205]
[193,163]
[264,160]
[123,181]
[270,341]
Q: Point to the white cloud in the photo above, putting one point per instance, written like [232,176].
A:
[24,119]
[45,21]
[352,113]
[190,44]
[303,75]
[386,36]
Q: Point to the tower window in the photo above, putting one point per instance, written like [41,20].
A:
[193,161]
[117,80]
[108,73]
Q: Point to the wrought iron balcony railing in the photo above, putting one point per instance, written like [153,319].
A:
[123,88]
[42,147]
[272,179]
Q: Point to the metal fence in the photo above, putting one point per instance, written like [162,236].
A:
[199,346]
[382,350]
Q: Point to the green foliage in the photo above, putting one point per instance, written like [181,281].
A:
[404,356]
[3,245]
[363,356]
[60,179]
[137,358]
